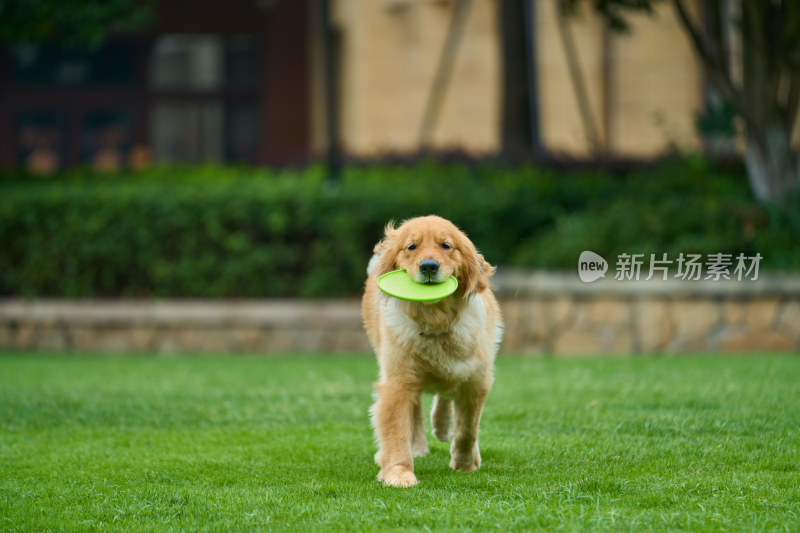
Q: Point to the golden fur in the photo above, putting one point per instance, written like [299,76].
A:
[445,347]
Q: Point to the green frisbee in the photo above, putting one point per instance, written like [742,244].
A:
[400,285]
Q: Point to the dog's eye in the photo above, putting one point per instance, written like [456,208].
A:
[446,246]
[411,247]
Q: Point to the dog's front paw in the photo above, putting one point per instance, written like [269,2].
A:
[465,461]
[398,476]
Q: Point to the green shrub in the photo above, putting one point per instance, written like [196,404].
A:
[239,232]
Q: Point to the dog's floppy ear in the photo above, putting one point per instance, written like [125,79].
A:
[386,250]
[476,274]
[475,270]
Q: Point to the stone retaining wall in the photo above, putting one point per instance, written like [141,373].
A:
[182,326]
[559,314]
[545,314]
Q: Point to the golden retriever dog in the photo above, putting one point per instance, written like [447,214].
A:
[445,347]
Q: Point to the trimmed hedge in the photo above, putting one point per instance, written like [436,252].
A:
[237,232]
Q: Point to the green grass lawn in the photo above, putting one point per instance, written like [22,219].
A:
[249,443]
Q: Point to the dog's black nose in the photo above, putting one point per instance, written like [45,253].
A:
[429,267]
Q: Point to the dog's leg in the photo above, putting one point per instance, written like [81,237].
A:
[464,453]
[393,416]
[419,442]
[442,418]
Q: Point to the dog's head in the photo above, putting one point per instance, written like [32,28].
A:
[431,249]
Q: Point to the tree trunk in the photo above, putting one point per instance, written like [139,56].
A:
[768,94]
[515,127]
[773,167]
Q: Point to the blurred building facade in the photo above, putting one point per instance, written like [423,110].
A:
[242,81]
[209,81]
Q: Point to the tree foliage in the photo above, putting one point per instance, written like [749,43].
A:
[614,11]
[71,23]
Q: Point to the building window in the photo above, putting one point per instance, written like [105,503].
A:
[72,105]
[48,65]
[107,139]
[41,137]
[205,98]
